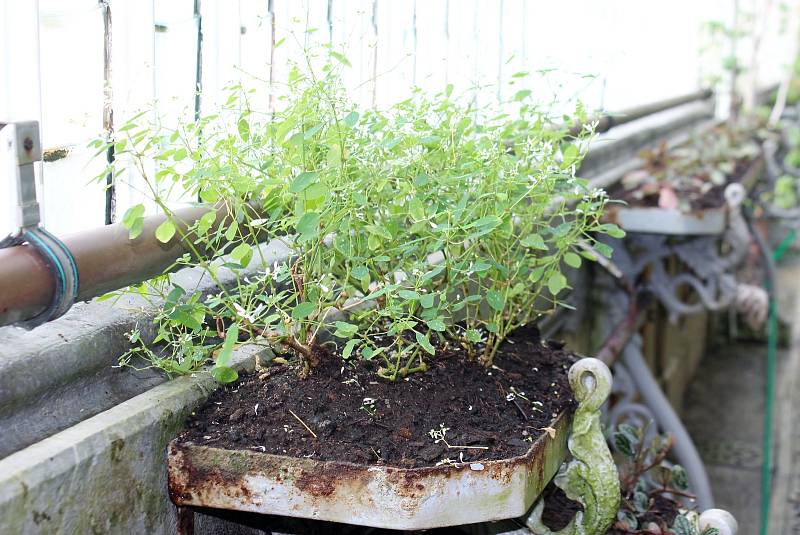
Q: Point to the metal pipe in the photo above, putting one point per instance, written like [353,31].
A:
[608,121]
[684,448]
[622,333]
[107,260]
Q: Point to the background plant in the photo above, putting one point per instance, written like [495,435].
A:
[430,223]
[651,487]
[678,176]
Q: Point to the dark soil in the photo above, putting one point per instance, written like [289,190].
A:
[358,417]
[558,509]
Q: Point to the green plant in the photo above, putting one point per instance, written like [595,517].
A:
[428,224]
[677,177]
[784,193]
[650,486]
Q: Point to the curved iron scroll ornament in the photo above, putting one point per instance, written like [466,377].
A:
[591,476]
[710,274]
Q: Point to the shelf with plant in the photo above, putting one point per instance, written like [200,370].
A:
[427,239]
[692,176]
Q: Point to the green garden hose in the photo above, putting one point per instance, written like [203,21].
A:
[772,351]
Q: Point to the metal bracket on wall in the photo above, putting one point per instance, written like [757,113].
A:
[25,147]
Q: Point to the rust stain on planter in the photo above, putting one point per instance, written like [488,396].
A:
[379,496]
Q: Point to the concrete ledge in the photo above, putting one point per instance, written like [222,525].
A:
[62,372]
[107,474]
[621,145]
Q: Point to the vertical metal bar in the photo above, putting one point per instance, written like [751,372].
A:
[198,74]
[374,23]
[271,10]
[500,50]
[108,113]
[40,164]
[414,35]
[447,41]
[329,15]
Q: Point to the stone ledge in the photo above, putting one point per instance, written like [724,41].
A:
[106,474]
[62,372]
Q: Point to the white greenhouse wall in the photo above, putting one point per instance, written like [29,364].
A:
[612,54]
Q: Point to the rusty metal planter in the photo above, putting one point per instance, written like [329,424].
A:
[378,496]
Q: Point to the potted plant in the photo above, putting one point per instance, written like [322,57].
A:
[682,189]
[409,387]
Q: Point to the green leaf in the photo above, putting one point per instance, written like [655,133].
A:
[682,526]
[408,294]
[628,519]
[348,348]
[522,94]
[624,445]
[534,241]
[302,181]
[556,283]
[244,129]
[612,230]
[380,291]
[133,220]
[136,228]
[345,330]
[350,119]
[231,337]
[436,324]
[426,300]
[340,58]
[308,225]
[561,230]
[242,253]
[368,353]
[488,222]
[303,310]
[571,154]
[165,231]
[474,336]
[230,232]
[679,477]
[423,341]
[603,249]
[640,502]
[572,259]
[224,374]
[205,222]
[496,300]
[417,209]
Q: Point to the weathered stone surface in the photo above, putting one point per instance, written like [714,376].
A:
[107,474]
[62,372]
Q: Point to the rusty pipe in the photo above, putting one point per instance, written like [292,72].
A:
[106,258]
[622,333]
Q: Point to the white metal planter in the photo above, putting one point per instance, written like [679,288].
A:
[707,221]
[389,497]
